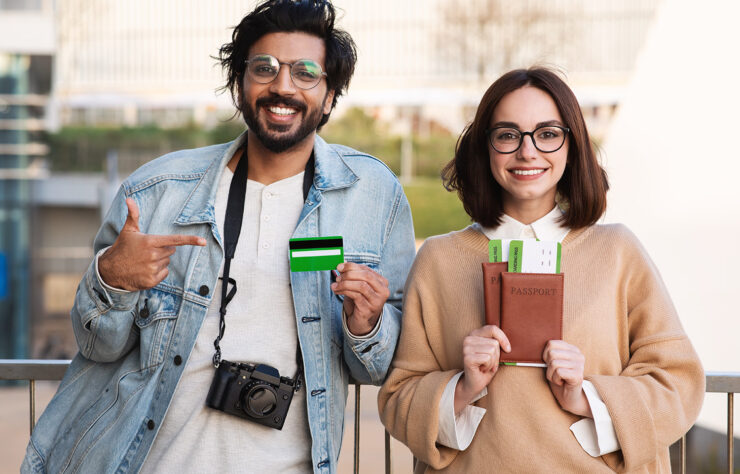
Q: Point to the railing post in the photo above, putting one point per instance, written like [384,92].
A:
[32,402]
[357,429]
[387,452]
[730,433]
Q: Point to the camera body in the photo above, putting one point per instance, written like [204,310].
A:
[253,392]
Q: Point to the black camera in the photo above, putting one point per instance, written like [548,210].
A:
[254,392]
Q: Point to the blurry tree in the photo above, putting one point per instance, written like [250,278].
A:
[486,38]
[359,130]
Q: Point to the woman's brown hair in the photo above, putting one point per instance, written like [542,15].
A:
[584,183]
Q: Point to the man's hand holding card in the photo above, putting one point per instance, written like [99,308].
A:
[365,292]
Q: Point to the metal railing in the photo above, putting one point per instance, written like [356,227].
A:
[33,370]
[721,382]
[36,369]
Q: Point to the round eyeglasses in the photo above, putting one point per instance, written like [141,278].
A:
[546,139]
[305,73]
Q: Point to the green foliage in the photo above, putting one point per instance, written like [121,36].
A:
[85,148]
[435,211]
[359,130]
[431,154]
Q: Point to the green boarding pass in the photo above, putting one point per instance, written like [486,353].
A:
[498,250]
[534,256]
[515,256]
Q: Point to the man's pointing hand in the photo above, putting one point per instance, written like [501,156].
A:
[138,261]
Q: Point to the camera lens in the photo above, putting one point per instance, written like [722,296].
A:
[259,400]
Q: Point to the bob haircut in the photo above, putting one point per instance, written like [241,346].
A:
[583,186]
[314,17]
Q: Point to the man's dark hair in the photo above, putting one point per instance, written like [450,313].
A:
[313,17]
[583,185]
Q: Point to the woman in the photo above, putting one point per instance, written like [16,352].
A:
[622,385]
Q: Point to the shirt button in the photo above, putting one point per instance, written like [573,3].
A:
[268,195]
[266,245]
[266,218]
[203,290]
[144,313]
[150,424]
[178,360]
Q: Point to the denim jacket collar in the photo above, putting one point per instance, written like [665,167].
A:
[331,172]
[198,208]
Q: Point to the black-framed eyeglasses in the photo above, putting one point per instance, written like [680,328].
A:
[547,139]
[305,73]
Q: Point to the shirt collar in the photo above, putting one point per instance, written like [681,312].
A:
[545,228]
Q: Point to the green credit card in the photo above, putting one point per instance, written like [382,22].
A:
[316,253]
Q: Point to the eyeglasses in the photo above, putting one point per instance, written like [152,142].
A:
[546,139]
[305,73]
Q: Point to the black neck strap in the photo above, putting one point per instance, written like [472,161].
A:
[232,229]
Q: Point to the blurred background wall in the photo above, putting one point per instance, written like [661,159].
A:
[99,87]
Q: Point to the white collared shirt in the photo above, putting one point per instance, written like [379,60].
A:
[596,435]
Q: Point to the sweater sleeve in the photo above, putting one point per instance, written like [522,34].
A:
[658,395]
[409,400]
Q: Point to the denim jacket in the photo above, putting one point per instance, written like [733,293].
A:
[133,346]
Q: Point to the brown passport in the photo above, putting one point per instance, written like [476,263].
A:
[531,313]
[492,290]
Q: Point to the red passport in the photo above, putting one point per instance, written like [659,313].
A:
[531,313]
[492,290]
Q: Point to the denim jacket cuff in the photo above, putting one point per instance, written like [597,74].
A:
[369,335]
[105,298]
[375,353]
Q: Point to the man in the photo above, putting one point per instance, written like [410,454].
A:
[151,316]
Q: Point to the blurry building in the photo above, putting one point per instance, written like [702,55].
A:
[26,49]
[423,65]
[141,62]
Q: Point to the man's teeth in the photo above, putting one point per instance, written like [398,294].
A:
[281,110]
[527,172]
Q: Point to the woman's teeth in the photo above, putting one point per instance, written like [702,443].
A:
[527,172]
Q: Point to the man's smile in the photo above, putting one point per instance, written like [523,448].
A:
[282,110]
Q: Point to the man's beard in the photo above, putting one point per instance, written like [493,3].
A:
[274,137]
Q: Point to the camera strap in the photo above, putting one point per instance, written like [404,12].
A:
[232,229]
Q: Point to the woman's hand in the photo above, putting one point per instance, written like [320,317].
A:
[481,351]
[565,364]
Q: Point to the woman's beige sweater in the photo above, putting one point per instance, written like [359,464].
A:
[616,310]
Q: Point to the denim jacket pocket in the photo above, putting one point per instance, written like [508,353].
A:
[369,259]
[156,315]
